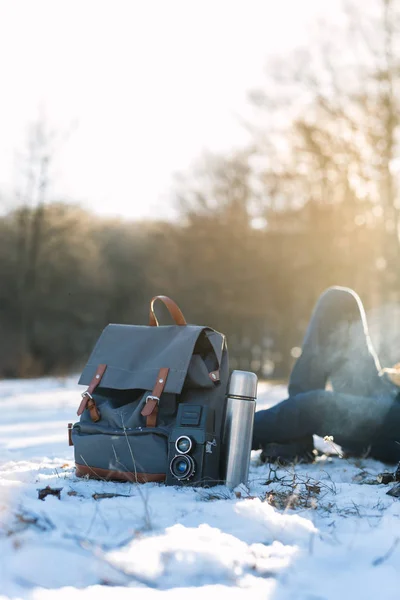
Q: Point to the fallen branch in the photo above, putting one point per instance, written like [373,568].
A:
[108,495]
[48,491]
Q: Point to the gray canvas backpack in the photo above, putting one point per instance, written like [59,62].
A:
[137,378]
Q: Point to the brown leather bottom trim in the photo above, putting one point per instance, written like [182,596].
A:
[106,474]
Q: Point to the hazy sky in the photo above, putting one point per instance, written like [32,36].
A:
[144,86]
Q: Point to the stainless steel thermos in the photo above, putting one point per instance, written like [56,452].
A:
[238,430]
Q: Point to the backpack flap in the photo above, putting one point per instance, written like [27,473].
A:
[134,355]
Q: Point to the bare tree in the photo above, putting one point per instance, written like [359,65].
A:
[30,216]
[328,129]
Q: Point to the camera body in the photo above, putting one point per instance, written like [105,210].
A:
[194,448]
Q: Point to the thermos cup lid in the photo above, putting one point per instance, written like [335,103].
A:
[243,384]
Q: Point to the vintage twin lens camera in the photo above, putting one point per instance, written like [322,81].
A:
[194,448]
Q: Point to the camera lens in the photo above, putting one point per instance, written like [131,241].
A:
[182,466]
[183,444]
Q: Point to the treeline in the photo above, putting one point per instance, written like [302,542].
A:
[312,201]
[60,287]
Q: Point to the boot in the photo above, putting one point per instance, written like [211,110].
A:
[300,450]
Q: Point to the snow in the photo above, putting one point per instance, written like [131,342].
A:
[280,540]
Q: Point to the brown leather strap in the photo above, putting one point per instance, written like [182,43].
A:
[70,442]
[173,308]
[150,409]
[87,396]
[93,410]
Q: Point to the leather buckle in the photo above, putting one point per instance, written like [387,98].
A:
[87,394]
[156,398]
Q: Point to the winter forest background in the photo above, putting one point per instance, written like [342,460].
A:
[312,200]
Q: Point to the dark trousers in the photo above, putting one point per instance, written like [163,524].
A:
[362,412]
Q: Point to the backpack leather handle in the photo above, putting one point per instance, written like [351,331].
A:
[173,308]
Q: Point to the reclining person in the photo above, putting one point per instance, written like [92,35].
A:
[362,412]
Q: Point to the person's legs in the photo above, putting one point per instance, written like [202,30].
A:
[385,444]
[336,347]
[358,424]
[353,421]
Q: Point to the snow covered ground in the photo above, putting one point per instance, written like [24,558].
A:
[321,531]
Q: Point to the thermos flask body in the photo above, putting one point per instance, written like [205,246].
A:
[238,430]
